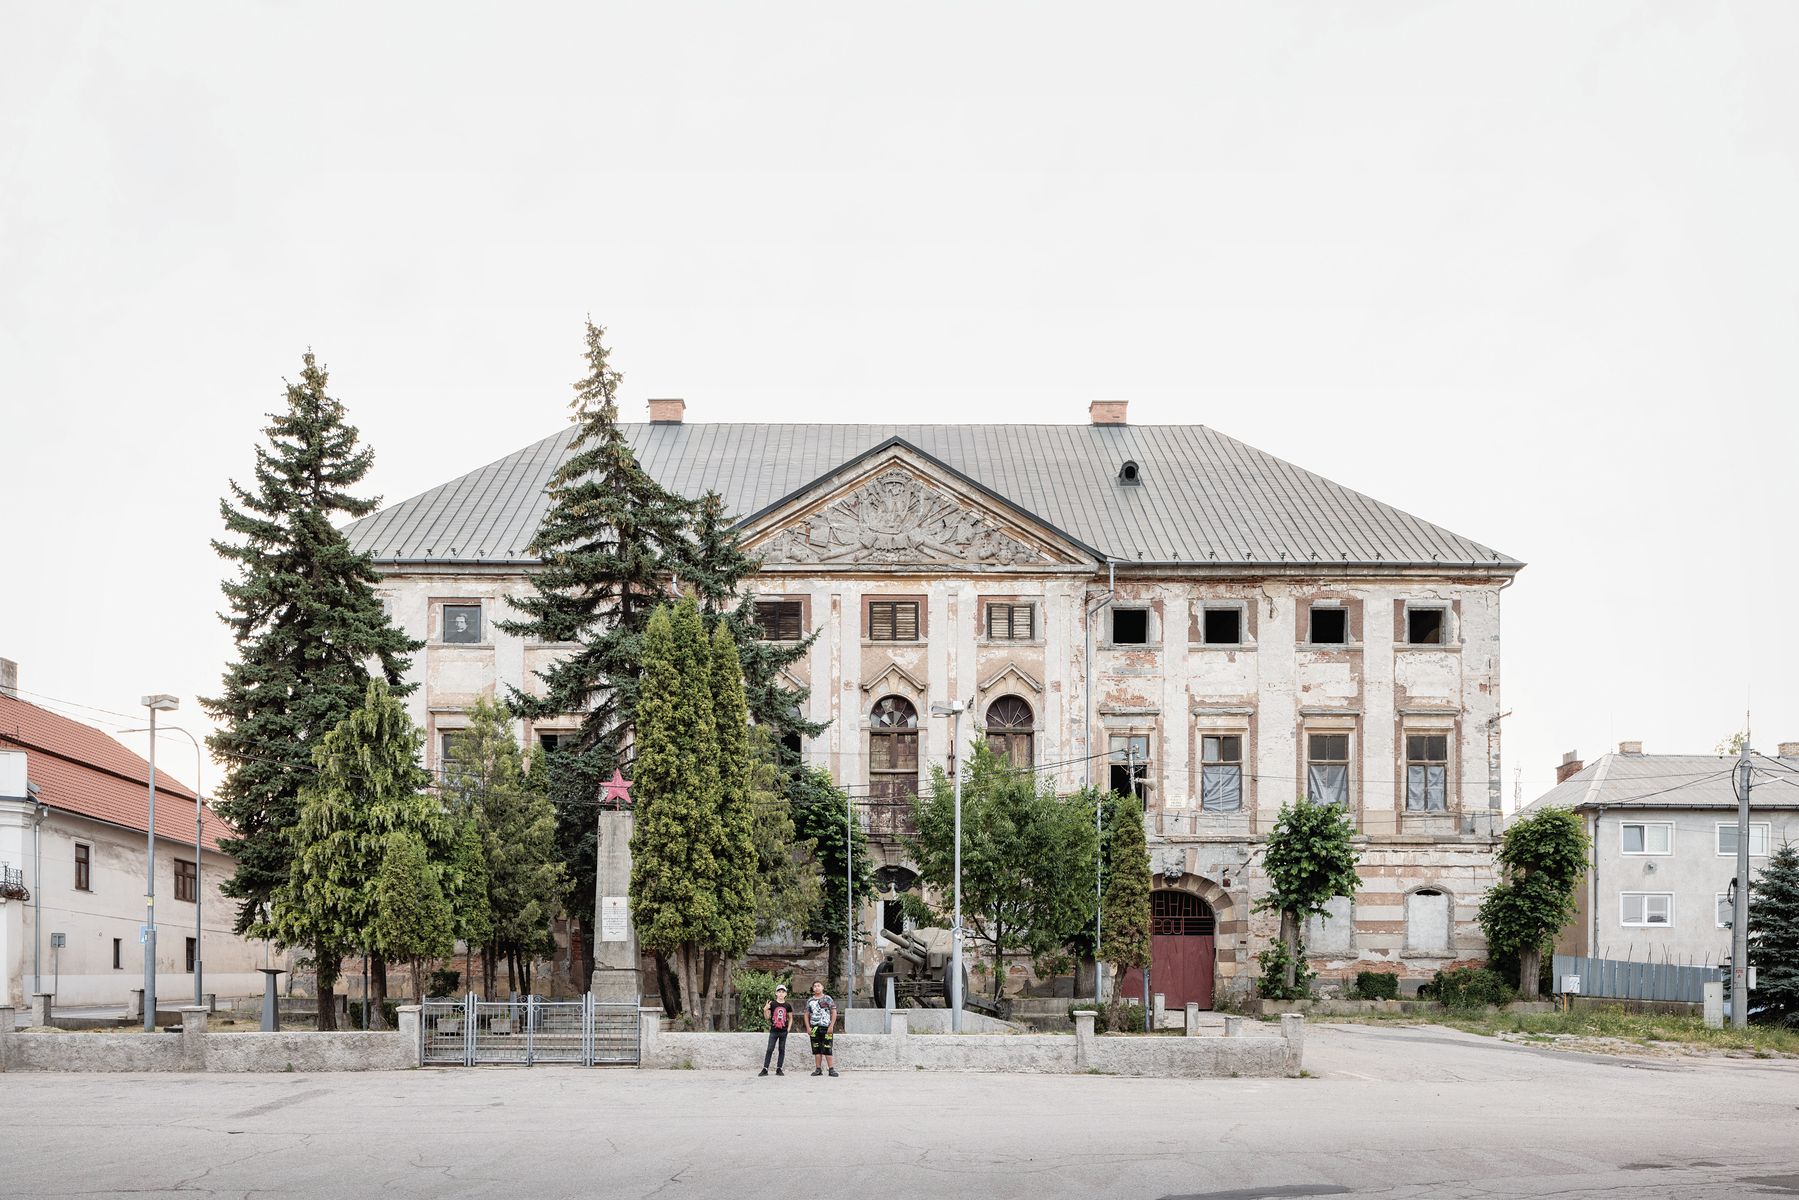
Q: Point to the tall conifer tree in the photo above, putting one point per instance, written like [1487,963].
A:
[307,625]
[1125,909]
[735,880]
[607,544]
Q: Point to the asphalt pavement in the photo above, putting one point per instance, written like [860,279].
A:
[1390,1112]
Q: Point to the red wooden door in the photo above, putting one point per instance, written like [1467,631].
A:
[1182,950]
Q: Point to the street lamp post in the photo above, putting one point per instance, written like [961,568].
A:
[199,873]
[954,709]
[160,702]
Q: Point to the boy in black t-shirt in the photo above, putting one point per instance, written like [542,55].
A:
[779,1015]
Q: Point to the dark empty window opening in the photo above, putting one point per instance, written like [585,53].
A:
[1222,626]
[552,740]
[792,748]
[1129,474]
[1130,626]
[780,620]
[1330,626]
[118,953]
[191,948]
[1424,626]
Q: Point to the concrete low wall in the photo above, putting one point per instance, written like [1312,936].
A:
[1265,1055]
[1351,1008]
[194,1049]
[923,1020]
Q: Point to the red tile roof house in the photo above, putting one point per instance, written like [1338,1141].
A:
[73,820]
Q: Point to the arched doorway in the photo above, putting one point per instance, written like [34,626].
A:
[1182,949]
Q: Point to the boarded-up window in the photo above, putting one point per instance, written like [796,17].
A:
[780,620]
[1012,622]
[1427,922]
[1327,768]
[893,620]
[1221,772]
[1426,772]
[1334,932]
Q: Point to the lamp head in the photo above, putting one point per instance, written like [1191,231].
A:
[948,710]
[161,702]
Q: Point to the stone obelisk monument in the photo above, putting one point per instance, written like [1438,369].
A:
[615,956]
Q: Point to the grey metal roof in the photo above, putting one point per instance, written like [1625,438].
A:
[1672,781]
[1204,497]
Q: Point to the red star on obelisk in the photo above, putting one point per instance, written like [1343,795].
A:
[616,792]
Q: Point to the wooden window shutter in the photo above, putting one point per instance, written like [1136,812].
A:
[905,621]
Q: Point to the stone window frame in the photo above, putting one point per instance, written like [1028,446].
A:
[1406,949]
[442,722]
[1153,630]
[1349,723]
[1646,852]
[1349,921]
[924,617]
[1136,727]
[1452,624]
[982,633]
[803,599]
[1223,722]
[1436,725]
[1354,630]
[1646,923]
[1246,623]
[434,634]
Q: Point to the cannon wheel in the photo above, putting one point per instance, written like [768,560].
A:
[948,1000]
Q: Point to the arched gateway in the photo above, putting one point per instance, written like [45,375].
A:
[1182,950]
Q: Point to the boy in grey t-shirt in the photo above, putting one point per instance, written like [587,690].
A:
[821,1017]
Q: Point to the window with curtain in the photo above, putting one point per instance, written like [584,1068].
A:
[1426,772]
[1221,772]
[1327,768]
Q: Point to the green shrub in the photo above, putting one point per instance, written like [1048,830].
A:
[1271,985]
[1375,985]
[391,1010]
[1469,987]
[754,989]
[444,982]
[1113,1017]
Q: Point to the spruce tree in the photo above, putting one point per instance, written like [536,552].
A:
[610,538]
[1124,912]
[1774,938]
[367,789]
[306,623]
[678,834]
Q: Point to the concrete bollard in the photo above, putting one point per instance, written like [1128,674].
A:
[136,1008]
[1160,1008]
[1192,1024]
[193,1037]
[649,1027]
[212,1002]
[901,1025]
[1714,1004]
[1233,1027]
[1083,1036]
[43,1008]
[1293,1030]
[412,1032]
[6,1033]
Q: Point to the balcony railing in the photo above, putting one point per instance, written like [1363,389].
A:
[12,883]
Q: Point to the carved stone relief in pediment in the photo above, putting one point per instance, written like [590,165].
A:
[896,518]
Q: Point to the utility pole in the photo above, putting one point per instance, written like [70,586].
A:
[1099,889]
[1739,911]
[849,902]
[1131,757]
[157,703]
[954,710]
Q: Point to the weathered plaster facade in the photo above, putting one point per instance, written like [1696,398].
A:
[897,525]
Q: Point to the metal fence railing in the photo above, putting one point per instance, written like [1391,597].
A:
[1621,979]
[474,1032]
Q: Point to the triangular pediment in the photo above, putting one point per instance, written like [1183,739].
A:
[900,510]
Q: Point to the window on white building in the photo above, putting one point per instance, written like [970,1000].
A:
[1327,768]
[1221,772]
[1426,772]
[1646,837]
[1654,909]
[1427,921]
[1758,840]
[1725,909]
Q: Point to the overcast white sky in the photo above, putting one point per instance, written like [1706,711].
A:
[1528,270]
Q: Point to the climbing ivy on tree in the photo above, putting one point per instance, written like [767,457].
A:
[1542,859]
[1774,937]
[1124,908]
[1309,860]
[306,624]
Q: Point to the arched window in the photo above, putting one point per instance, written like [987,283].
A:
[892,749]
[1011,729]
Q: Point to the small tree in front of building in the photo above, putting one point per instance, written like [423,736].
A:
[1310,860]
[824,816]
[1774,938]
[1542,859]
[1124,906]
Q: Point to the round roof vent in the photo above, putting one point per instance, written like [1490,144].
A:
[1129,473]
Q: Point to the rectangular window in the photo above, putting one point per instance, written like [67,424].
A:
[1130,627]
[1221,626]
[1725,909]
[191,945]
[1426,772]
[118,953]
[84,868]
[1424,626]
[446,748]
[1758,840]
[893,620]
[1330,625]
[1012,622]
[187,880]
[781,620]
[1647,908]
[1646,837]
[462,624]
[1327,768]
[552,740]
[1129,762]
[1221,772]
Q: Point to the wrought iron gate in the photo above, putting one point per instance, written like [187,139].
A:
[473,1032]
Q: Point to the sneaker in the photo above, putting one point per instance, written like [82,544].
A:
[764,1071]
[833,1072]
[778,1071]
[816,1071]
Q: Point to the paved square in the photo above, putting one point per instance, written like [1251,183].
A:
[1393,1113]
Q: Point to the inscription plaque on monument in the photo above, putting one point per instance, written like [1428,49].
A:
[614,919]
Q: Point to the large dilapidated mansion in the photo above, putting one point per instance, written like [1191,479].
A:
[1151,607]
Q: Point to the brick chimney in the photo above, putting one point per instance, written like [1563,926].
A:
[1630,747]
[1570,767]
[9,678]
[1787,749]
[667,412]
[1107,412]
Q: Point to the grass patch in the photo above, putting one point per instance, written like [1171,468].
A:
[1609,1022]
